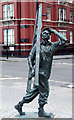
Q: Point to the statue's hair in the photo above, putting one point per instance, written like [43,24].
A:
[47,28]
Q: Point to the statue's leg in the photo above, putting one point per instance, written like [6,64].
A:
[43,95]
[26,99]
[43,89]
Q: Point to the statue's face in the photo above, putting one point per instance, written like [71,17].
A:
[45,34]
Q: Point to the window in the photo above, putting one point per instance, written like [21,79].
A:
[8,11]
[63,32]
[71,37]
[62,14]
[71,16]
[48,13]
[62,2]
[70,1]
[6,0]
[10,36]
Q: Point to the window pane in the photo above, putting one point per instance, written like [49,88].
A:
[3,15]
[4,8]
[9,32]
[12,6]
[4,11]
[71,37]
[63,33]
[48,12]
[13,31]
[62,14]
[5,37]
[70,16]
[9,14]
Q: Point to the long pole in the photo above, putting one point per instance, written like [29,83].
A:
[19,29]
[7,42]
[8,9]
[36,23]
[38,46]
[36,5]
[35,32]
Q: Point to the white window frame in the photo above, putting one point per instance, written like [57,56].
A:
[71,37]
[48,13]
[8,11]
[63,14]
[11,40]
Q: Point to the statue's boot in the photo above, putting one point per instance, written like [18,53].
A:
[42,113]
[18,107]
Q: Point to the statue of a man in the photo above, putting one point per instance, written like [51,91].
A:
[47,50]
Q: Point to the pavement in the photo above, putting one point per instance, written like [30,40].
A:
[59,103]
[17,59]
[59,100]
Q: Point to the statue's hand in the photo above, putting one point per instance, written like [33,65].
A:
[30,66]
[33,71]
[30,63]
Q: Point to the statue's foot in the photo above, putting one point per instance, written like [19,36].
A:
[18,107]
[42,113]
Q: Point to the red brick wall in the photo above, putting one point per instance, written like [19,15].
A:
[28,14]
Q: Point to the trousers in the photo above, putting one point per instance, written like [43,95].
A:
[42,90]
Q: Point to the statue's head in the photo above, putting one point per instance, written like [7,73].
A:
[45,34]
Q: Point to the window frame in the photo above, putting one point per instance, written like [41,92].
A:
[11,40]
[8,12]
[71,16]
[64,16]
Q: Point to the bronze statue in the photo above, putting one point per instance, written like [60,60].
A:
[47,50]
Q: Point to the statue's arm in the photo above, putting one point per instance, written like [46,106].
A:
[62,40]
[31,58]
